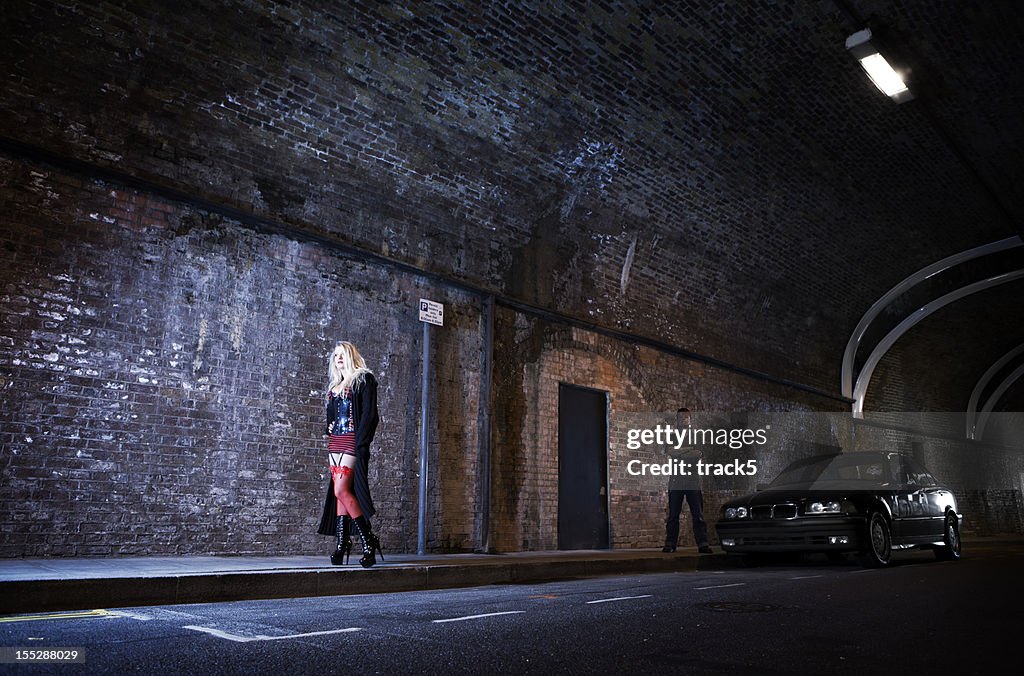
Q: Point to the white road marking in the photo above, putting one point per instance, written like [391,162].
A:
[134,616]
[719,586]
[260,637]
[474,617]
[620,598]
[805,577]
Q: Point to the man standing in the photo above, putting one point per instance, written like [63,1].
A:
[685,487]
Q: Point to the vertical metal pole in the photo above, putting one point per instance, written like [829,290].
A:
[421,527]
[484,428]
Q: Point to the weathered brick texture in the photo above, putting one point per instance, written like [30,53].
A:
[163,378]
[641,165]
[289,174]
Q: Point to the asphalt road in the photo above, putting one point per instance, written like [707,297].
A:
[807,617]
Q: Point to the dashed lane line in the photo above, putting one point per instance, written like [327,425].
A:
[475,617]
[620,598]
[721,586]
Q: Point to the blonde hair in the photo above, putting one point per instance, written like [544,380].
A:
[352,373]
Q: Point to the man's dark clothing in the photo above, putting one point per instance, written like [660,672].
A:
[675,507]
[685,487]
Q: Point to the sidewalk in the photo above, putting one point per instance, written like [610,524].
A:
[47,584]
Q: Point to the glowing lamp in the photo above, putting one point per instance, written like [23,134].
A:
[885,77]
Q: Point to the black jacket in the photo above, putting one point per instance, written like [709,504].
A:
[690,455]
[364,411]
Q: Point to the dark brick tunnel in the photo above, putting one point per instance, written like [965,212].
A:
[670,203]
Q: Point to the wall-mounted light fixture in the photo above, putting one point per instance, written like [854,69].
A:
[885,77]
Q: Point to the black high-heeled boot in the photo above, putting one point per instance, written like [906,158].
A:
[344,533]
[371,543]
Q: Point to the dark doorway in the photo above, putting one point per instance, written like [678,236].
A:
[582,468]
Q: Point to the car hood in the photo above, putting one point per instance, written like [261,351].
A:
[795,494]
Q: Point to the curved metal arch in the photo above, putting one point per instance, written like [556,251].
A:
[972,404]
[864,377]
[924,273]
[990,403]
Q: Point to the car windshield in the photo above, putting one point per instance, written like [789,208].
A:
[853,470]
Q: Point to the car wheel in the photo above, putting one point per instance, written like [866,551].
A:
[951,536]
[879,551]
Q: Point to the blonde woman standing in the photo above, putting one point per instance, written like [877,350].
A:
[351,423]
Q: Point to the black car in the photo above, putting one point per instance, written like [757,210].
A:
[866,502]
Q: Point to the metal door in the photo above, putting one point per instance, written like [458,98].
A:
[582,468]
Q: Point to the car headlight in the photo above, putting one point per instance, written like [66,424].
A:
[824,507]
[735,512]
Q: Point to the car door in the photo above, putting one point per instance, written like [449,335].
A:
[935,498]
[912,505]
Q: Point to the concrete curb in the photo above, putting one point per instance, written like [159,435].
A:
[28,596]
[52,591]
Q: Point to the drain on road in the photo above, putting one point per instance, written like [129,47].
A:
[738,607]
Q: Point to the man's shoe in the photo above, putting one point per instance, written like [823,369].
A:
[704,549]
[668,549]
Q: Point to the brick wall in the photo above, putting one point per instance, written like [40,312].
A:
[532,357]
[638,166]
[163,371]
[936,365]
[642,168]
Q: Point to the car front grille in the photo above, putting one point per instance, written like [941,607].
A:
[766,512]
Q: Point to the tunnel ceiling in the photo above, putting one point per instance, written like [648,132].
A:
[722,178]
[962,56]
[956,344]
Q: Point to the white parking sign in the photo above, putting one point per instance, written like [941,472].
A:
[431,312]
